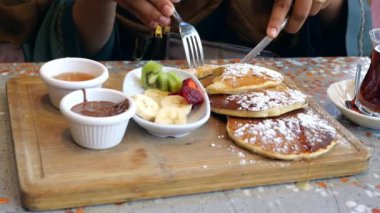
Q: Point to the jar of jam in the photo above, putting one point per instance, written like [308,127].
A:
[368,97]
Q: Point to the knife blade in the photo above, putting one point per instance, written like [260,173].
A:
[261,45]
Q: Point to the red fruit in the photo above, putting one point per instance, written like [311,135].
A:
[191,95]
[189,82]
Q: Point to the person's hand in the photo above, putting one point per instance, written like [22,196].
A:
[150,12]
[300,11]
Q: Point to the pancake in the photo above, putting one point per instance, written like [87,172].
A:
[301,134]
[203,71]
[259,103]
[239,78]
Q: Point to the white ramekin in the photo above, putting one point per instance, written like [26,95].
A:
[97,132]
[59,88]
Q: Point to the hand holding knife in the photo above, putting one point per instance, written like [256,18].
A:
[261,45]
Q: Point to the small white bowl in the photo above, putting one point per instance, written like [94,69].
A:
[341,91]
[59,88]
[197,117]
[97,132]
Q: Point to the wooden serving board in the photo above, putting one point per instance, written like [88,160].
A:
[56,173]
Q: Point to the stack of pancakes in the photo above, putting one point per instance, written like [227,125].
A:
[266,116]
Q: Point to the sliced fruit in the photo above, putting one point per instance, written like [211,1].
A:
[151,80]
[149,74]
[191,95]
[176,101]
[156,94]
[146,107]
[169,115]
[189,82]
[162,82]
[175,83]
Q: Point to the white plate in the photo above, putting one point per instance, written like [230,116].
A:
[341,91]
[197,117]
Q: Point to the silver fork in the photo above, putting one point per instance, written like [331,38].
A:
[191,42]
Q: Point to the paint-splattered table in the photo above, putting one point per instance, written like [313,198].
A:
[359,193]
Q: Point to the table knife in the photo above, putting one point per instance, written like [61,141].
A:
[260,46]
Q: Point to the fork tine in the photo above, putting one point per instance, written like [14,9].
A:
[192,51]
[196,51]
[186,47]
[196,59]
[200,49]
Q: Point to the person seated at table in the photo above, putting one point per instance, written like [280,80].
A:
[87,28]
[19,21]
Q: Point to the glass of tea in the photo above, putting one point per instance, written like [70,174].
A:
[374,34]
[368,97]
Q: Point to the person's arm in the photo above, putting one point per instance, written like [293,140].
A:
[331,13]
[301,10]
[94,21]
[150,12]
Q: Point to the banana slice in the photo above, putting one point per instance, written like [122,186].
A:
[176,101]
[156,94]
[171,115]
[147,108]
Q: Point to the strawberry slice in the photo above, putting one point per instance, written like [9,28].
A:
[189,82]
[191,95]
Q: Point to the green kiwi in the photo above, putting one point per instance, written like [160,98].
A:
[175,83]
[162,82]
[149,74]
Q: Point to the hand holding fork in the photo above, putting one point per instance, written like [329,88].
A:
[191,42]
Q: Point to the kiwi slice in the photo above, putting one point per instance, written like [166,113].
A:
[175,83]
[149,74]
[162,81]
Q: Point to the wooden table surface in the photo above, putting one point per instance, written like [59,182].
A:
[358,193]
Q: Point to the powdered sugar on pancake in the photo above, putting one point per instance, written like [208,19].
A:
[302,132]
[232,71]
[263,100]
